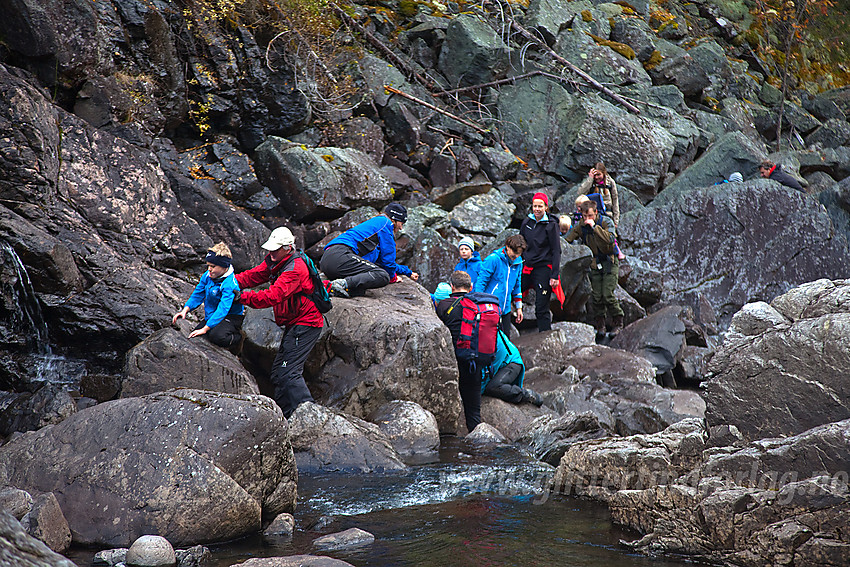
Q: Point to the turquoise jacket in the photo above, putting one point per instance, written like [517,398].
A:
[500,277]
[217,296]
[506,352]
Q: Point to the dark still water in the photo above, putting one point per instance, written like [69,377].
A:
[474,507]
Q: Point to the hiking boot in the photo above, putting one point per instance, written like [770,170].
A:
[618,325]
[339,288]
[600,326]
[532,397]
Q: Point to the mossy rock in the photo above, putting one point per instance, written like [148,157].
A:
[586,16]
[653,60]
[620,48]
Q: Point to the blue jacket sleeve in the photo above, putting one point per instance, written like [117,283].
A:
[516,294]
[199,293]
[386,242]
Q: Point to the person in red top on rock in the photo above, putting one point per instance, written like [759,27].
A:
[294,311]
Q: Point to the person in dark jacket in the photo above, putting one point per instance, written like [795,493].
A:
[542,259]
[469,381]
[217,290]
[770,170]
[597,233]
[363,257]
[300,319]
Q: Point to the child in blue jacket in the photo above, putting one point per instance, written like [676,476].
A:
[222,324]
[470,258]
[500,276]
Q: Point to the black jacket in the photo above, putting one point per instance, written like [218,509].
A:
[786,179]
[452,319]
[544,243]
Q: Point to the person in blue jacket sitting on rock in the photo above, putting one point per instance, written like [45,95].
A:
[222,324]
[470,258]
[500,276]
[503,378]
[363,257]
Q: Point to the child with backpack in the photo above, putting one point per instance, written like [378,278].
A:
[222,324]
[473,321]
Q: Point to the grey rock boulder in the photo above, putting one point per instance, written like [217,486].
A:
[548,437]
[783,380]
[150,551]
[228,459]
[326,439]
[352,537]
[659,338]
[294,561]
[472,53]
[411,429]
[46,522]
[320,182]
[486,214]
[167,359]
[49,404]
[22,550]
[759,252]
[510,419]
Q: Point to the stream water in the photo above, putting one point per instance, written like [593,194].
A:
[473,507]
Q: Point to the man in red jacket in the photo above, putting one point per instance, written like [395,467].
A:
[294,311]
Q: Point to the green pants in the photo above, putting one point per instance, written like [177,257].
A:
[603,282]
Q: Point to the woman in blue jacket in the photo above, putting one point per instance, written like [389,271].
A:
[222,324]
[500,276]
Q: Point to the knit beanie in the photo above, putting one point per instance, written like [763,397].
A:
[467,241]
[542,197]
[443,291]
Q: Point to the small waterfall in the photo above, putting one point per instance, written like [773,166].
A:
[29,318]
[24,331]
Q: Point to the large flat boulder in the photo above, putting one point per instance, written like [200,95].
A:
[735,243]
[387,345]
[189,465]
[167,359]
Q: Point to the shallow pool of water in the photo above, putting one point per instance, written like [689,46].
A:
[474,507]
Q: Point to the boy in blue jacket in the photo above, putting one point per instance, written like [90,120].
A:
[363,257]
[470,259]
[222,324]
[500,276]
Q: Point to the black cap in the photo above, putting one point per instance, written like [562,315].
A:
[396,212]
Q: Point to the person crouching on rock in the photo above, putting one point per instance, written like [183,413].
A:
[363,257]
[597,233]
[294,312]
[503,378]
[222,324]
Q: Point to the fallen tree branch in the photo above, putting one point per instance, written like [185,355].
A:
[590,80]
[463,121]
[490,84]
[380,46]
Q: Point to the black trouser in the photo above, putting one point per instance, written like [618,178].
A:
[287,377]
[470,393]
[503,384]
[227,333]
[539,280]
[339,261]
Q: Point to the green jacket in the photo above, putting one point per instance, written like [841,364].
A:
[600,240]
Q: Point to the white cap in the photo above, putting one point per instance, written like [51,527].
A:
[278,238]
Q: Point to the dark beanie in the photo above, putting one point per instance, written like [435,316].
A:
[396,212]
[216,260]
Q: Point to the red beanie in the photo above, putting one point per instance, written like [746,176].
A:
[542,197]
